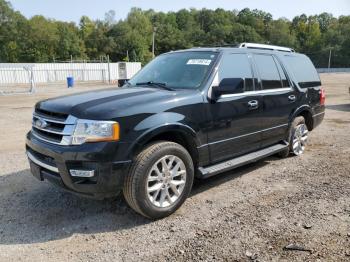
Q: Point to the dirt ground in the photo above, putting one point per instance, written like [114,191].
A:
[251,213]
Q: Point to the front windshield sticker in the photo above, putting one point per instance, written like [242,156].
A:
[199,62]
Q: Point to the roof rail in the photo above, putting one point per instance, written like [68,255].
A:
[268,47]
[216,46]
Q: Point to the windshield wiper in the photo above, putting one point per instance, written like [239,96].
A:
[156,84]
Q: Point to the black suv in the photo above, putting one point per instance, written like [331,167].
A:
[190,113]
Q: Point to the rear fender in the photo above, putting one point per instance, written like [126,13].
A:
[306,111]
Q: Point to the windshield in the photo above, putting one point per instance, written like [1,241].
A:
[183,70]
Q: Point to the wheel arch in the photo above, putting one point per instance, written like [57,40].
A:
[304,111]
[177,133]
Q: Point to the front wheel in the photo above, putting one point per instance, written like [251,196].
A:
[160,180]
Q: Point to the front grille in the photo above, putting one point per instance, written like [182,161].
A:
[52,127]
[55,116]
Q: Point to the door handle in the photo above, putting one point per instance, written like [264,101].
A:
[254,104]
[291,98]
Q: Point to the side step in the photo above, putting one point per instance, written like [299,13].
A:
[242,160]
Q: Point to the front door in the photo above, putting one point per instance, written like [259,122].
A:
[235,118]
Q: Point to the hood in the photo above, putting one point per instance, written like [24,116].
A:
[111,103]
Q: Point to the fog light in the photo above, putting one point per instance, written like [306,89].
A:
[82,173]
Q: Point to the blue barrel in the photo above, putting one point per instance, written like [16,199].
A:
[70,81]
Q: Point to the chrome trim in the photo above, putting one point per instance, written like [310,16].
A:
[268,47]
[42,164]
[66,133]
[64,142]
[71,120]
[67,130]
[253,133]
[318,114]
[88,173]
[268,91]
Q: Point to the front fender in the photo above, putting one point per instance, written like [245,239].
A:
[159,124]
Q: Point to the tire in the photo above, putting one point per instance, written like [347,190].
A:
[150,186]
[297,125]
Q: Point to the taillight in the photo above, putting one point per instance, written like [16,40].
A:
[322,97]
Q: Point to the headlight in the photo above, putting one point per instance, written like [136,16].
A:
[95,131]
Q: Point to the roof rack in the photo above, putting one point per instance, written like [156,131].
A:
[268,47]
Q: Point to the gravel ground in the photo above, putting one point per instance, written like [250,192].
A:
[250,214]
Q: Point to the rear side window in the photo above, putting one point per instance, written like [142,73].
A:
[303,71]
[269,73]
[237,66]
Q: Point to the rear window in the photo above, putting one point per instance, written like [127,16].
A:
[303,71]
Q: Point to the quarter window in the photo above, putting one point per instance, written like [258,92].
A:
[303,70]
[269,73]
[237,66]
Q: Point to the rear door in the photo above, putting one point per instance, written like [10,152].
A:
[235,118]
[278,98]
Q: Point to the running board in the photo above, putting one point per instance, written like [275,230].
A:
[240,161]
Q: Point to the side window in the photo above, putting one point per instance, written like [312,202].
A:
[285,82]
[237,66]
[270,77]
[303,70]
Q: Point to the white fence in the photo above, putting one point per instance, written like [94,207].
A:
[17,73]
[333,70]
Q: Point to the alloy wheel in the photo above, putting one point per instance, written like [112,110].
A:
[166,181]
[300,139]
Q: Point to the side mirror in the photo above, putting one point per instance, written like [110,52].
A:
[228,86]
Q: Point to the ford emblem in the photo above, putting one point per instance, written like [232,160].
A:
[40,123]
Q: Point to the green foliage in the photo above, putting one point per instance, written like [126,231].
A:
[39,39]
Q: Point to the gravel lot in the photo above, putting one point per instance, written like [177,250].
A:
[249,214]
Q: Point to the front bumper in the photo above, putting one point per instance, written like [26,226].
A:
[53,163]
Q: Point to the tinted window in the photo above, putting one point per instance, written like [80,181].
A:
[237,66]
[283,76]
[177,70]
[303,70]
[270,77]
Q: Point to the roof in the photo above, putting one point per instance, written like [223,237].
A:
[241,47]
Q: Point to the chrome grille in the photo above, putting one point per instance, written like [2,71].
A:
[51,127]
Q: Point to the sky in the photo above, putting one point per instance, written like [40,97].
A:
[72,10]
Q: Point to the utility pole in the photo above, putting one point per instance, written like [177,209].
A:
[329,58]
[153,40]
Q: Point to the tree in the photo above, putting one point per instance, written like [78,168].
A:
[39,39]
[13,29]
[43,39]
[69,42]
[86,27]
[110,17]
[279,33]
[98,42]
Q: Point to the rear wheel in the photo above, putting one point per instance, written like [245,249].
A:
[297,138]
[160,180]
